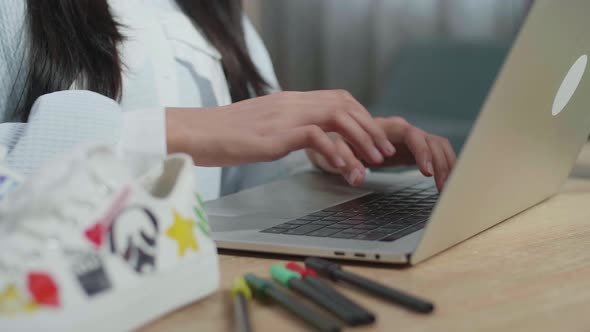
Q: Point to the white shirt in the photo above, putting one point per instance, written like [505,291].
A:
[185,68]
[167,63]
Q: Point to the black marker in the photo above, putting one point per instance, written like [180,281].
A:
[334,272]
[310,277]
[266,289]
[292,280]
[241,294]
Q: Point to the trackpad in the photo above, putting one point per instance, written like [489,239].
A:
[285,199]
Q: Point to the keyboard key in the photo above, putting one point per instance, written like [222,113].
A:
[334,218]
[378,222]
[395,216]
[407,202]
[398,211]
[345,214]
[274,230]
[321,214]
[404,232]
[324,232]
[414,219]
[423,204]
[287,226]
[358,210]
[392,227]
[391,207]
[375,214]
[322,222]
[343,235]
[351,222]
[365,226]
[403,213]
[298,222]
[302,230]
[393,237]
[371,236]
[355,231]
[416,227]
[407,222]
[335,209]
[309,218]
[339,226]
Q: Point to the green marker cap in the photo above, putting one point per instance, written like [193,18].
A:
[283,275]
[257,285]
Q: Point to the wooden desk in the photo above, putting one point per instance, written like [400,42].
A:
[530,273]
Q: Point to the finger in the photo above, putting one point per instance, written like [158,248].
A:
[353,133]
[366,121]
[395,128]
[439,159]
[415,140]
[449,153]
[310,136]
[354,171]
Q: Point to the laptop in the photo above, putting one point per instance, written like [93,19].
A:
[520,151]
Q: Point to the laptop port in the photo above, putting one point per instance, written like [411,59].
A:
[339,253]
[358,254]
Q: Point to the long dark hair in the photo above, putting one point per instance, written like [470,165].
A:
[75,41]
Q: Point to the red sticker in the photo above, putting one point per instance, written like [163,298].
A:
[43,289]
[95,234]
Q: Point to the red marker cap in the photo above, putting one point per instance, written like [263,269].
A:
[301,270]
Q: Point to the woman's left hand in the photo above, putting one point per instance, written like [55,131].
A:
[433,154]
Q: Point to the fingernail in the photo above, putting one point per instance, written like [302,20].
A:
[429,168]
[376,155]
[339,162]
[389,148]
[353,176]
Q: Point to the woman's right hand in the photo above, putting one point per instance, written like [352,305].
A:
[270,127]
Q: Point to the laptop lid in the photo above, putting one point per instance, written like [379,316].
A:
[528,133]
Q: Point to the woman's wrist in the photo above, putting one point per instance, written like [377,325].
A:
[175,139]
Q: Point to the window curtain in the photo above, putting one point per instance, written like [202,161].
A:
[349,44]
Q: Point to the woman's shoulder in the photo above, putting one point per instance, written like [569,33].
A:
[12,17]
[12,28]
[12,51]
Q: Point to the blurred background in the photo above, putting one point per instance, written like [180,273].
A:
[430,61]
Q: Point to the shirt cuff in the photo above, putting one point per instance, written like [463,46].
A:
[143,132]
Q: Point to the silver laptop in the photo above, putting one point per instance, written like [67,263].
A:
[520,151]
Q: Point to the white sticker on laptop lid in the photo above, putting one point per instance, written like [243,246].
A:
[569,85]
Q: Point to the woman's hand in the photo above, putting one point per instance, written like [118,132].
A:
[433,154]
[270,127]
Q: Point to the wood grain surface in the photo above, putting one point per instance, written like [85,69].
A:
[529,273]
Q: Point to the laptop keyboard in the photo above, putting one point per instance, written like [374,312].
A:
[380,216]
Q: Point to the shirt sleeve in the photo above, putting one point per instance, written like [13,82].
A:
[59,121]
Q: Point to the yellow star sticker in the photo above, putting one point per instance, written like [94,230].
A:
[182,232]
[12,303]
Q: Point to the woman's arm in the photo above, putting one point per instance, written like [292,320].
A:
[59,121]
[269,127]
